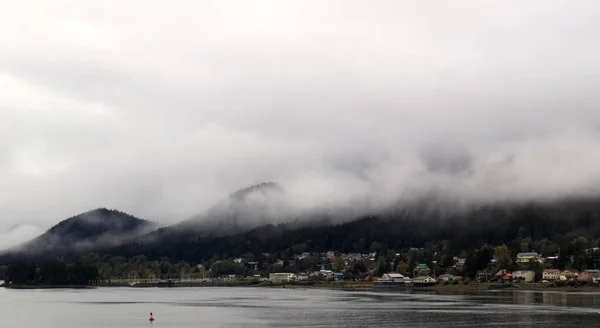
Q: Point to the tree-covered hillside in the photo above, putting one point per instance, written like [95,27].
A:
[558,223]
[87,231]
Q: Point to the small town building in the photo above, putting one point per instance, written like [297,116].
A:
[282,277]
[524,275]
[392,279]
[445,277]
[551,274]
[302,276]
[524,258]
[421,270]
[586,276]
[503,275]
[569,275]
[424,281]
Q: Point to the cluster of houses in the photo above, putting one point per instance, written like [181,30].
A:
[548,275]
[421,275]
[302,276]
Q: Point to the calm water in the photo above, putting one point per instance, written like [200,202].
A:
[262,307]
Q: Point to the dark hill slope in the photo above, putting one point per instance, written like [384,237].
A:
[463,230]
[98,228]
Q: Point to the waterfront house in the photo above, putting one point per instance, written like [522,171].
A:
[503,275]
[302,276]
[569,275]
[445,277]
[524,258]
[424,281]
[392,279]
[524,275]
[586,276]
[282,277]
[551,274]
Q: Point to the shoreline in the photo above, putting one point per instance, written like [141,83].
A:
[349,286]
[47,287]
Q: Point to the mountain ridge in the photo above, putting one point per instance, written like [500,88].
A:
[87,230]
[398,226]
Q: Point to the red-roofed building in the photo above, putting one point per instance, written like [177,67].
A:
[551,274]
[503,275]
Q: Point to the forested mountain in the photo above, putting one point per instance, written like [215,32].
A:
[87,231]
[229,230]
[461,231]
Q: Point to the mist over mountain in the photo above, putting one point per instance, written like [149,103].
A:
[414,226]
[259,219]
[96,229]
[256,204]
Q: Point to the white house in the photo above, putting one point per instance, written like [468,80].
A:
[424,280]
[282,277]
[551,274]
[524,258]
[393,277]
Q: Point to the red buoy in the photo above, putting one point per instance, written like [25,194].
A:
[151,318]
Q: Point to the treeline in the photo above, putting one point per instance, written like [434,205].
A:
[50,273]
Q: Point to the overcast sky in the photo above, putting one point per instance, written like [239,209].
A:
[162,108]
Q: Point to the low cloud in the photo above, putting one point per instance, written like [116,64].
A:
[163,110]
[17,234]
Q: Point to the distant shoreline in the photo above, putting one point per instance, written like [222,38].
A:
[46,287]
[350,286]
[365,286]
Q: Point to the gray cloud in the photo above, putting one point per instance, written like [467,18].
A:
[161,110]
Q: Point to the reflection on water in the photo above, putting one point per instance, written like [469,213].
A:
[275,307]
